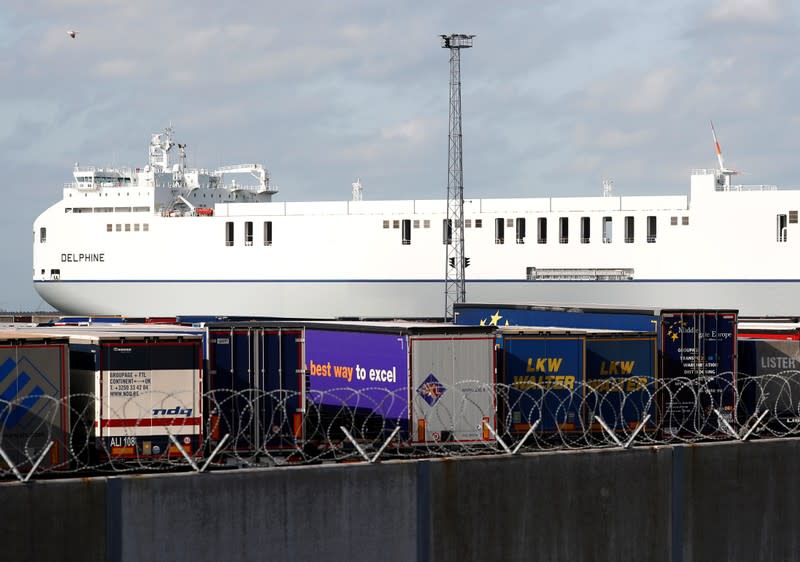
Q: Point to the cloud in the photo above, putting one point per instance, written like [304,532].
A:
[748,11]
[653,91]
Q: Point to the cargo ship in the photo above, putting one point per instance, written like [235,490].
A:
[167,239]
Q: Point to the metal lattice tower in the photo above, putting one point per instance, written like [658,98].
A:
[455,263]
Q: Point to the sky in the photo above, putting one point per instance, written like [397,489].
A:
[556,96]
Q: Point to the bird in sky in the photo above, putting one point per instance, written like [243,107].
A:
[72,33]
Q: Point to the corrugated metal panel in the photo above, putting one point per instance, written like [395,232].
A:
[452,385]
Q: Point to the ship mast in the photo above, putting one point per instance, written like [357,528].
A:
[455,263]
[724,173]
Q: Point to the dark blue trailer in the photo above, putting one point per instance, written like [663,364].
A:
[253,381]
[769,369]
[542,374]
[581,317]
[621,378]
[698,368]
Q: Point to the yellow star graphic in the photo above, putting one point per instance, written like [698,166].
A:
[495,318]
[483,322]
[674,337]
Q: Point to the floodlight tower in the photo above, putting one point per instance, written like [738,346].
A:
[455,262]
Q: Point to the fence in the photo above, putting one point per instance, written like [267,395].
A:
[78,435]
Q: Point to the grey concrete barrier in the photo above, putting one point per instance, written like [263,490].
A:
[717,501]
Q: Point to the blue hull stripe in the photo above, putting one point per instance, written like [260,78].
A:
[424,281]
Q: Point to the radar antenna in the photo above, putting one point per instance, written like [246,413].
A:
[455,262]
[357,193]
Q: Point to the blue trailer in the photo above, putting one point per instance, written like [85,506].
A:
[254,380]
[576,317]
[769,368]
[698,368]
[565,379]
[542,373]
[621,378]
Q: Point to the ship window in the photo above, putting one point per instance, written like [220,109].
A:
[122,209]
[510,223]
[395,224]
[563,230]
[426,223]
[521,230]
[607,230]
[141,209]
[478,223]
[673,221]
[248,233]
[651,229]
[541,230]
[127,228]
[109,228]
[136,227]
[406,232]
[447,231]
[684,220]
[385,224]
[43,234]
[792,217]
[118,228]
[585,229]
[467,223]
[145,227]
[229,233]
[781,234]
[628,230]
[416,224]
[68,210]
[499,231]
[268,233]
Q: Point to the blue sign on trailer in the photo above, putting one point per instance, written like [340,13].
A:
[544,376]
[698,366]
[620,381]
[596,317]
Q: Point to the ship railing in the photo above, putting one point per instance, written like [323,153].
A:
[252,188]
[579,274]
[752,188]
[82,186]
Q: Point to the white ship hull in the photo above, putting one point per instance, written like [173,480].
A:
[400,300]
[165,242]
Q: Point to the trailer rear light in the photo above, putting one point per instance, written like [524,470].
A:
[421,430]
[485,427]
[54,455]
[215,431]
[297,425]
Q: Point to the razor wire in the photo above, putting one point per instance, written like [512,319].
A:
[81,435]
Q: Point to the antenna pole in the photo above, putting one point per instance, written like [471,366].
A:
[455,262]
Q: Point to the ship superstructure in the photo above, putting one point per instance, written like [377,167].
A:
[166,239]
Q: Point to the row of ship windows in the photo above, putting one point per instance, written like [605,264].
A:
[520,229]
[248,233]
[109,228]
[126,227]
[107,210]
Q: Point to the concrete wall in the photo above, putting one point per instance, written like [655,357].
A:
[726,501]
